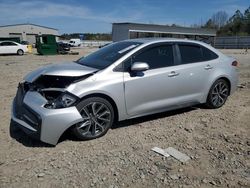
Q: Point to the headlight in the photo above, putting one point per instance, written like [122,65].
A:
[63,101]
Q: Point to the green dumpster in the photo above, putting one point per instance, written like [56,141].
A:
[46,44]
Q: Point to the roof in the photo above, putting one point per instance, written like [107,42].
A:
[28,24]
[149,41]
[161,39]
[9,41]
[154,28]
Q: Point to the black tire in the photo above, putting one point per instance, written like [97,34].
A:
[218,94]
[20,52]
[96,122]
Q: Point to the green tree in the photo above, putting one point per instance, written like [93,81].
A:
[247,20]
[210,24]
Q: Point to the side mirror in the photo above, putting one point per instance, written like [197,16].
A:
[139,67]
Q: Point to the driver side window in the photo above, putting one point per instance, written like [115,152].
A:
[156,57]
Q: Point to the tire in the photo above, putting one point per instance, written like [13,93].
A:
[98,115]
[20,52]
[218,94]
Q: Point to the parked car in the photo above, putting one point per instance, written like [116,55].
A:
[121,81]
[62,47]
[10,47]
[75,42]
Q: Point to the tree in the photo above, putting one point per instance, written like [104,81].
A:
[247,20]
[238,24]
[210,24]
[237,17]
[219,19]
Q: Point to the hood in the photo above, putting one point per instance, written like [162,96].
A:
[70,69]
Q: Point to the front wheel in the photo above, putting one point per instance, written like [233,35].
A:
[20,52]
[98,117]
[218,94]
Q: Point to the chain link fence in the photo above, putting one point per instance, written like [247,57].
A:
[233,42]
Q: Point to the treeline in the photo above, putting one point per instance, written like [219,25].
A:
[87,36]
[238,24]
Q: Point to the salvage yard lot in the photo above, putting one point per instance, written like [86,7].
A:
[216,140]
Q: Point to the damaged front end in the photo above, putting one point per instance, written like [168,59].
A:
[43,106]
[53,89]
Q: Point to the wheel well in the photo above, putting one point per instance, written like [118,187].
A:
[228,81]
[20,49]
[112,102]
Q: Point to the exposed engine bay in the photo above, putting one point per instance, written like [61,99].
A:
[52,88]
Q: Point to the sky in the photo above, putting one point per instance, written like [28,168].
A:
[97,16]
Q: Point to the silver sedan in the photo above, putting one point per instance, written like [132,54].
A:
[123,80]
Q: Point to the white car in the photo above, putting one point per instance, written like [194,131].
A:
[10,47]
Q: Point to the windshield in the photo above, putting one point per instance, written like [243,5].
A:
[107,55]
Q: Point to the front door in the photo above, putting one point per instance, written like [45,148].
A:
[155,89]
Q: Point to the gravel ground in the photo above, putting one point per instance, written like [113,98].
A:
[216,140]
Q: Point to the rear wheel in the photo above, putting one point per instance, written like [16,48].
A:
[20,52]
[218,94]
[98,117]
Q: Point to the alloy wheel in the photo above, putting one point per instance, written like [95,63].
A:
[96,118]
[219,94]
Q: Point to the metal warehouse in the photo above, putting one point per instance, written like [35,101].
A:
[26,32]
[123,31]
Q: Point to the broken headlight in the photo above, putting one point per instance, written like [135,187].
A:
[62,101]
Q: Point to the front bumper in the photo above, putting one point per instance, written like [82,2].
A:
[45,124]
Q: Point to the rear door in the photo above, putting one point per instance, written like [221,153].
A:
[196,64]
[13,47]
[8,47]
[4,48]
[1,48]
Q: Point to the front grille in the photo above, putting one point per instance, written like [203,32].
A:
[22,111]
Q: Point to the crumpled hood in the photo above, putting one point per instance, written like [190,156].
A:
[70,69]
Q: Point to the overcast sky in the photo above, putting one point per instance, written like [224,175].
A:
[97,15]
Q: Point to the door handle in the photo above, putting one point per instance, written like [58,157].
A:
[173,73]
[208,67]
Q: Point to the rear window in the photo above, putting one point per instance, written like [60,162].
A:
[190,53]
[208,54]
[195,53]
[8,44]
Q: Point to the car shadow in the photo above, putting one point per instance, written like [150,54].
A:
[12,55]
[17,134]
[139,120]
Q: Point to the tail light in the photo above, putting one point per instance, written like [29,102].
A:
[235,63]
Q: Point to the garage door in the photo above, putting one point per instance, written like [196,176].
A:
[31,38]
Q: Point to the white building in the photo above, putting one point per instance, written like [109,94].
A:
[26,32]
